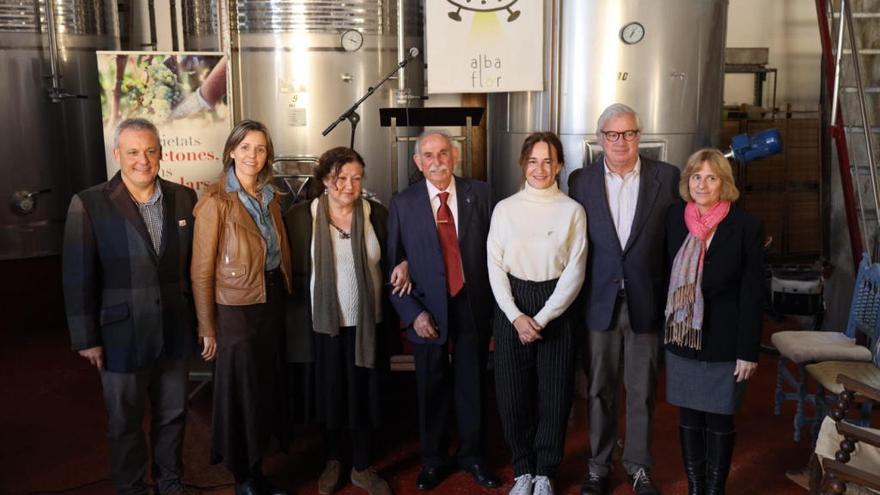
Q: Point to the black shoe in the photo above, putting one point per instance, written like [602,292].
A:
[247,487]
[595,484]
[266,487]
[431,476]
[642,484]
[182,490]
[483,475]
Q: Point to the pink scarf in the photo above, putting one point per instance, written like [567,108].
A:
[702,225]
[684,302]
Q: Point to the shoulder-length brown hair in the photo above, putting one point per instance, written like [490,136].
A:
[720,167]
[237,136]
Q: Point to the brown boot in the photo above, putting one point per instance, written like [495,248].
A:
[331,478]
[370,481]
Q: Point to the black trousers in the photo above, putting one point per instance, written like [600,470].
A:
[359,438]
[443,385]
[534,383]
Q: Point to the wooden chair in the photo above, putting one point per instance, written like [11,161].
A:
[826,373]
[838,471]
[802,348]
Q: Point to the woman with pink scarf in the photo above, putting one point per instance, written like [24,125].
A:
[713,315]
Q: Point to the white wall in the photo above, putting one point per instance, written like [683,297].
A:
[790,30]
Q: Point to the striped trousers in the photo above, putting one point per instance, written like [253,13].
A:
[534,383]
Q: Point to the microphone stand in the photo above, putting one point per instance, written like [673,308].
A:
[351,114]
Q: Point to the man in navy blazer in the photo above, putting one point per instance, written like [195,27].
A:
[440,226]
[127,250]
[626,198]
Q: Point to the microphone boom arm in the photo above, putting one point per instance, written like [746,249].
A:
[351,113]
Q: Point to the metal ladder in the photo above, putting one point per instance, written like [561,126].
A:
[853,120]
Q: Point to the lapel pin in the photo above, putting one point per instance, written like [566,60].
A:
[181,223]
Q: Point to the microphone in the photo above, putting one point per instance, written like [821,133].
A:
[411,54]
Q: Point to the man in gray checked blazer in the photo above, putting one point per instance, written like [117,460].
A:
[127,248]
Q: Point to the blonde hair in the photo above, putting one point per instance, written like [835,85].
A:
[720,167]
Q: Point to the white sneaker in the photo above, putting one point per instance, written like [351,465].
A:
[542,486]
[523,485]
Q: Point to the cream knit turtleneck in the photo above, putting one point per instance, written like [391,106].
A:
[538,235]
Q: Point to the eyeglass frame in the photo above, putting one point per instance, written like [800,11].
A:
[635,133]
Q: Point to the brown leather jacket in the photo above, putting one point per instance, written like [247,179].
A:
[229,255]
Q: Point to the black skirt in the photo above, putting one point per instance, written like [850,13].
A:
[347,396]
[249,398]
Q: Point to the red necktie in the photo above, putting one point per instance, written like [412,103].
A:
[449,246]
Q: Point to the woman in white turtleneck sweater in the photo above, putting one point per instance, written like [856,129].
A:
[537,252]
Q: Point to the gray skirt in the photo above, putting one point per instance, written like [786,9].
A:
[703,385]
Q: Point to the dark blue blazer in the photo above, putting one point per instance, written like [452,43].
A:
[118,292]
[642,263]
[412,235]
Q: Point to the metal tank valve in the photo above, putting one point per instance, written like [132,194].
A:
[24,202]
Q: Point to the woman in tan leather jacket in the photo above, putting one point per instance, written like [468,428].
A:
[240,270]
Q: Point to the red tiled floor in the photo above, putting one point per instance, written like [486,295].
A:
[52,423]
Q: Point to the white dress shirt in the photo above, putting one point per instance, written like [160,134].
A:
[434,194]
[623,196]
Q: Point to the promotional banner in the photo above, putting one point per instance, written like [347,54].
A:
[484,47]
[183,94]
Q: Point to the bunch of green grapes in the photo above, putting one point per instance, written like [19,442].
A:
[132,90]
[162,92]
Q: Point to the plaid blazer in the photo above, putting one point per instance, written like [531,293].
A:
[118,292]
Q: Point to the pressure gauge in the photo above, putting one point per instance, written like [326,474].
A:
[352,40]
[632,33]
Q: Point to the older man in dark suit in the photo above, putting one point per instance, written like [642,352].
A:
[127,248]
[440,226]
[626,198]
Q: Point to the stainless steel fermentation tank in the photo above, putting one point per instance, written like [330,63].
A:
[298,64]
[50,146]
[665,59]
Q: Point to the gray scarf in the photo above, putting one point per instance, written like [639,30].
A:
[684,301]
[326,303]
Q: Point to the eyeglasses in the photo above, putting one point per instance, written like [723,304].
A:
[613,136]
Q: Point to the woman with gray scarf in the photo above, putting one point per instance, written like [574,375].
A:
[337,241]
[713,315]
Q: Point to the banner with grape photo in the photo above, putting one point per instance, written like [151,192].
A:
[183,94]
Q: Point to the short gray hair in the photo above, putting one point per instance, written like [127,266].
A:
[434,132]
[612,111]
[135,125]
